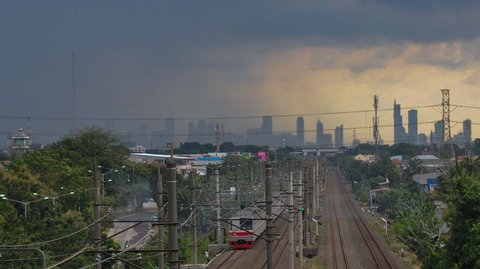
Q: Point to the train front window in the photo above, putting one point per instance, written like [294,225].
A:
[246,224]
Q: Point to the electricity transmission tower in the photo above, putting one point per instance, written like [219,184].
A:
[375,124]
[446,135]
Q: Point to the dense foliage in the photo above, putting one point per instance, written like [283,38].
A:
[60,225]
[449,242]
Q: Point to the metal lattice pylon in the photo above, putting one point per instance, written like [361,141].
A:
[375,123]
[446,136]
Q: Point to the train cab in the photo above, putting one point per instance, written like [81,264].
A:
[242,232]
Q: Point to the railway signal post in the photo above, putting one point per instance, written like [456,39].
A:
[300,221]
[268,205]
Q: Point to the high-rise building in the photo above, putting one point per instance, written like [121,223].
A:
[467,132]
[438,134]
[323,140]
[319,133]
[211,127]
[422,139]
[266,130]
[413,127]
[399,135]
[202,131]
[300,132]
[339,136]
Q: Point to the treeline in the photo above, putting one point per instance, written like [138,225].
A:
[410,150]
[60,225]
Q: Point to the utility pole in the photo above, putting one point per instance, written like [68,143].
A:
[291,243]
[268,205]
[97,236]
[194,217]
[74,112]
[300,221]
[253,182]
[317,170]
[217,137]
[160,216]
[314,190]
[172,216]
[308,191]
[237,200]
[217,203]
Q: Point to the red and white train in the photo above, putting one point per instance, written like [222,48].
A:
[249,222]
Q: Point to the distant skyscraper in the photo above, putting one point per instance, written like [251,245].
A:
[422,139]
[413,127]
[319,133]
[438,134]
[398,129]
[202,131]
[266,130]
[339,136]
[300,132]
[323,140]
[467,132]
[210,138]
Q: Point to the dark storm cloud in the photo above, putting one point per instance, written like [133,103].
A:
[134,53]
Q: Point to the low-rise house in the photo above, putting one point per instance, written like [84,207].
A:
[427,181]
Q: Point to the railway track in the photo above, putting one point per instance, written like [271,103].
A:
[280,245]
[378,256]
[232,256]
[255,257]
[335,225]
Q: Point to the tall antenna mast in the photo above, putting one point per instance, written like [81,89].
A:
[74,116]
[375,124]
[217,137]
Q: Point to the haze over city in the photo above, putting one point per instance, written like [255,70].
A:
[137,61]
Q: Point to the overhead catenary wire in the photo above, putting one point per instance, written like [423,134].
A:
[55,239]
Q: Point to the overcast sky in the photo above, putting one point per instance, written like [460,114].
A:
[195,59]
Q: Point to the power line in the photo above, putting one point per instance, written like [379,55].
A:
[227,134]
[205,118]
[466,106]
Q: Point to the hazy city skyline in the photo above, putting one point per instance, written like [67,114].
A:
[138,61]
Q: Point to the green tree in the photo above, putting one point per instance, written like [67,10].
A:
[462,192]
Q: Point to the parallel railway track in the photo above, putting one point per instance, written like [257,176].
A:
[335,225]
[378,255]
